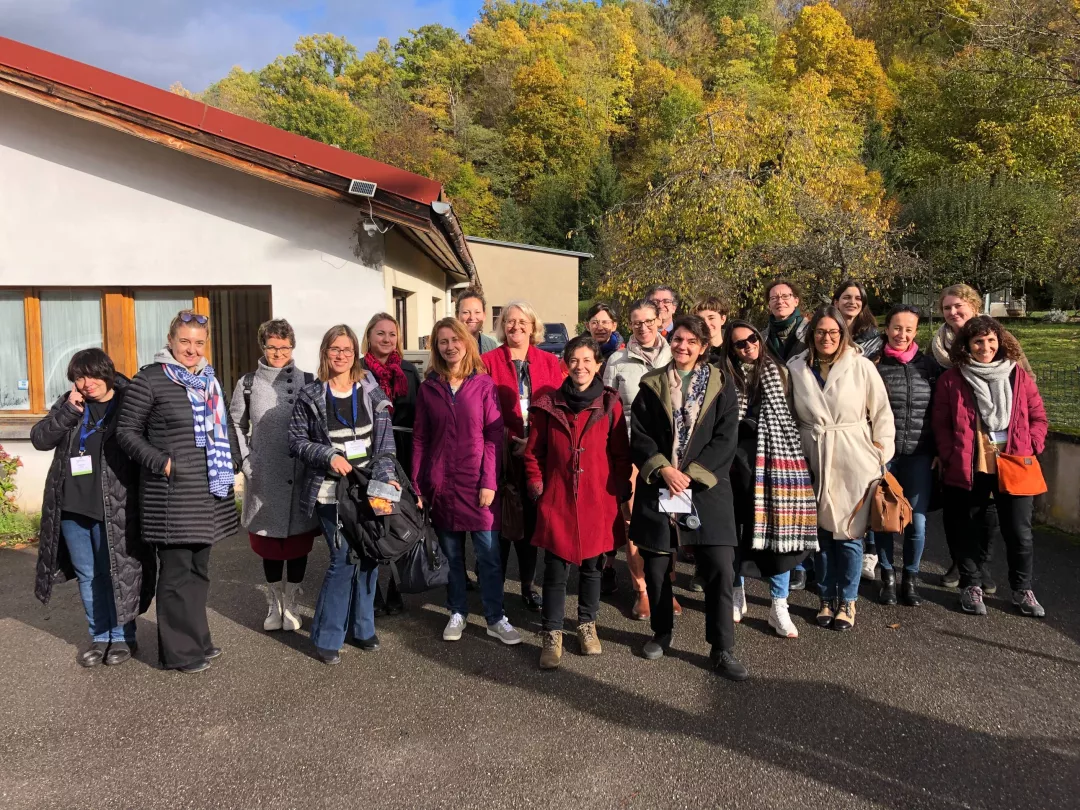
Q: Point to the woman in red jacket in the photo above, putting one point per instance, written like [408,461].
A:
[985,405]
[577,469]
[522,373]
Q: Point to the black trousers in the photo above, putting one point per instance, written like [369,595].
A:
[967,519]
[182,586]
[556,572]
[526,551]
[960,519]
[716,567]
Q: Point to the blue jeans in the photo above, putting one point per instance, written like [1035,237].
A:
[488,571]
[348,591]
[779,584]
[839,567]
[88,547]
[917,479]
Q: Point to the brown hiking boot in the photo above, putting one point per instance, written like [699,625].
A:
[551,653]
[845,616]
[641,610]
[587,639]
[826,613]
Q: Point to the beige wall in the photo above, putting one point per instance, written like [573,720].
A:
[548,281]
[1060,506]
[407,268]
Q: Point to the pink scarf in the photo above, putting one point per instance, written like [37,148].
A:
[390,377]
[904,356]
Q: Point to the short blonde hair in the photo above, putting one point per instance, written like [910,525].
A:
[380,316]
[969,295]
[526,309]
[357,371]
[470,363]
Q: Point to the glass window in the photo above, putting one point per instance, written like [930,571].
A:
[154,311]
[70,321]
[14,378]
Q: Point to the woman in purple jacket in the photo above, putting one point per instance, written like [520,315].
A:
[456,438]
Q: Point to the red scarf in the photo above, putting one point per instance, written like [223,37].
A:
[390,377]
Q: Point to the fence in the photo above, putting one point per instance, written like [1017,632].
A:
[1060,389]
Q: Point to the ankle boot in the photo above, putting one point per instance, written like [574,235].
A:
[887,594]
[642,611]
[290,612]
[588,641]
[551,651]
[273,601]
[909,592]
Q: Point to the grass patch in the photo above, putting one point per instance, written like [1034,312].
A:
[19,528]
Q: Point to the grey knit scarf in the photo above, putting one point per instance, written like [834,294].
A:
[993,391]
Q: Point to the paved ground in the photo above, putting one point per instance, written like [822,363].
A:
[943,711]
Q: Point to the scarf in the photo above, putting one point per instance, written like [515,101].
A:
[779,331]
[785,509]
[576,400]
[650,354]
[390,377]
[686,413]
[993,391]
[211,422]
[611,345]
[904,356]
[940,345]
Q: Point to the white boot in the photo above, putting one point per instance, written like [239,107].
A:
[273,600]
[290,613]
[780,620]
[738,600]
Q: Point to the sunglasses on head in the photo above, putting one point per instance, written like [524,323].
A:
[749,340]
[188,317]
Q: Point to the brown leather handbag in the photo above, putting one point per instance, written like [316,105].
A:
[890,511]
[1020,475]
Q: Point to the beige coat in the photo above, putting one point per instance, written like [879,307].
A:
[626,367]
[839,425]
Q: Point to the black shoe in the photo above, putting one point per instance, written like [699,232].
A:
[909,592]
[394,604]
[328,656]
[887,594]
[951,578]
[367,644]
[533,601]
[198,666]
[798,580]
[119,652]
[92,655]
[989,586]
[725,664]
[655,647]
[609,581]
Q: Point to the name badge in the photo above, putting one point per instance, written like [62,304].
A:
[524,402]
[999,436]
[82,465]
[357,448]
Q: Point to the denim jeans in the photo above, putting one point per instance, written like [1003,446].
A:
[488,571]
[917,479]
[779,584]
[88,547]
[348,591]
[839,567]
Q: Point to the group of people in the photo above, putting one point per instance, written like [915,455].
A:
[750,451]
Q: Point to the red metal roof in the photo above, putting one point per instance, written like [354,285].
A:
[197,115]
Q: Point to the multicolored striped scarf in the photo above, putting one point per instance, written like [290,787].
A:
[211,423]
[785,509]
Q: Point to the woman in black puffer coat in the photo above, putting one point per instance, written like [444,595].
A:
[89,525]
[186,493]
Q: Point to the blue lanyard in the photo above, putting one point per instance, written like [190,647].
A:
[85,431]
[332,406]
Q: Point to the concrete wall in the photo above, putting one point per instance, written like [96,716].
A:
[1060,506]
[548,281]
[408,268]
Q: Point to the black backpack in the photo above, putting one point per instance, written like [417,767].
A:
[246,383]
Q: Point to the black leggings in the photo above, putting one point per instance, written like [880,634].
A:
[275,568]
[556,572]
[716,566]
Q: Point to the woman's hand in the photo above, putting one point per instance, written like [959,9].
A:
[340,465]
[168,468]
[936,463]
[676,481]
[75,398]
[624,510]
[517,446]
[487,498]
[395,485]
[535,490]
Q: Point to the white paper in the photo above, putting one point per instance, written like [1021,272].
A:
[675,505]
[357,448]
[82,465]
[524,403]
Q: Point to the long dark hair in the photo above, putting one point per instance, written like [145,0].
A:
[733,364]
[865,320]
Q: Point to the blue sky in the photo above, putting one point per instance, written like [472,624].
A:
[198,41]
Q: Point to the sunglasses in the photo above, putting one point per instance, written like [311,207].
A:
[749,340]
[188,317]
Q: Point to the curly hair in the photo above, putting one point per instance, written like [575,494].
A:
[980,325]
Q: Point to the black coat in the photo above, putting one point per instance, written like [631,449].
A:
[405,415]
[911,389]
[708,460]
[156,425]
[131,561]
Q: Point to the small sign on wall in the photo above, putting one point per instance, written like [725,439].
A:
[24,385]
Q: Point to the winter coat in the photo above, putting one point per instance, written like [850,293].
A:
[487,344]
[625,369]
[404,416]
[954,424]
[839,425]
[309,436]
[131,562]
[545,370]
[457,448]
[795,346]
[271,476]
[911,389]
[869,342]
[709,454]
[582,463]
[155,426]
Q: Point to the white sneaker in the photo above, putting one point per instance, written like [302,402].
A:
[869,566]
[290,612]
[504,632]
[738,599]
[273,601]
[780,619]
[454,628]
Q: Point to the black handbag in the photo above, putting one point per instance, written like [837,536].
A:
[423,567]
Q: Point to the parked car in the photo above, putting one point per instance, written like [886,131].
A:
[555,338]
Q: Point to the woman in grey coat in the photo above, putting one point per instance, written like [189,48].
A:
[278,529]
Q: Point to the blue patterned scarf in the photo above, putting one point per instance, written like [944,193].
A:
[686,413]
[208,412]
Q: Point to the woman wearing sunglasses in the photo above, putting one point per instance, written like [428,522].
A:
[775,509]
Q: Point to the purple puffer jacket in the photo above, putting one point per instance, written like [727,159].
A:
[456,444]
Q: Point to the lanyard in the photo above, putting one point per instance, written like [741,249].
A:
[332,406]
[85,431]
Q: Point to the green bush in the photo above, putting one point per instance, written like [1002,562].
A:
[9,465]
[19,527]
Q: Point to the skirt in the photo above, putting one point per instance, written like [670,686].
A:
[283,548]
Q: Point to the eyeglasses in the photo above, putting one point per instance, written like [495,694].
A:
[638,325]
[188,317]
[595,322]
[336,352]
[662,301]
[276,350]
[749,340]
[776,299]
[827,333]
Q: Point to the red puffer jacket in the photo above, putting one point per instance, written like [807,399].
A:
[954,424]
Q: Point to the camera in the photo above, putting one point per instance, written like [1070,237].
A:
[691,522]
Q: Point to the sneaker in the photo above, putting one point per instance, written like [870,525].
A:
[504,632]
[725,664]
[869,566]
[551,649]
[988,585]
[697,584]
[454,628]
[738,598]
[798,580]
[826,613]
[845,616]
[588,642]
[780,619]
[609,581]
[951,578]
[1025,602]
[655,648]
[971,600]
